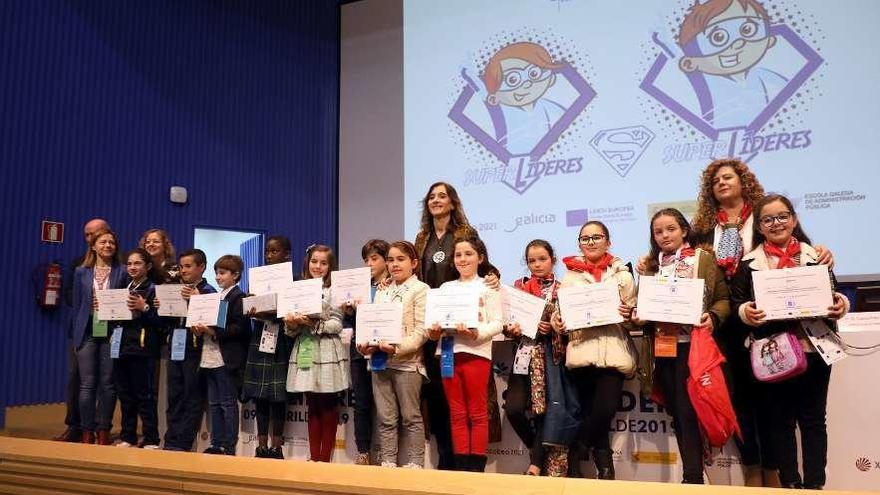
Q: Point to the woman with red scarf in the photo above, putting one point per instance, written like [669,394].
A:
[781,243]
[598,358]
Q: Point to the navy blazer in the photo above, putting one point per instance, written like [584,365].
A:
[234,339]
[83,280]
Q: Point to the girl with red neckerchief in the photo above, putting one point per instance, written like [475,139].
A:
[781,243]
[598,358]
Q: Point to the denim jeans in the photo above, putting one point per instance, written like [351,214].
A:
[96,384]
[223,407]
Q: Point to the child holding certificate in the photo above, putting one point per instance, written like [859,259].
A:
[319,361]
[672,256]
[373,252]
[470,349]
[397,386]
[100,270]
[781,243]
[526,396]
[265,377]
[223,354]
[136,355]
[598,358]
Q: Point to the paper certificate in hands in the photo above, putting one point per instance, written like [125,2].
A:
[792,293]
[264,303]
[671,300]
[302,296]
[171,302]
[589,305]
[350,285]
[113,304]
[378,322]
[206,309]
[521,307]
[270,278]
[452,305]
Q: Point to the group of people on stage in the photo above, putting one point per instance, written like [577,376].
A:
[438,380]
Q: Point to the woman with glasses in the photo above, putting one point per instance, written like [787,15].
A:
[781,243]
[598,358]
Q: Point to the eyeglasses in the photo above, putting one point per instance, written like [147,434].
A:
[783,218]
[514,78]
[591,239]
[719,36]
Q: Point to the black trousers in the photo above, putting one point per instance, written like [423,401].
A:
[438,409]
[517,402]
[186,402]
[72,418]
[748,397]
[801,402]
[136,389]
[599,391]
[362,396]
[672,374]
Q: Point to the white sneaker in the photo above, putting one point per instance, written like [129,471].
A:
[151,447]
[412,465]
[388,464]
[123,443]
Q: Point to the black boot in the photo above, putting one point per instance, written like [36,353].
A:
[576,453]
[604,464]
[462,462]
[477,463]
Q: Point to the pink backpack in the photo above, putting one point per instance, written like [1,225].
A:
[777,358]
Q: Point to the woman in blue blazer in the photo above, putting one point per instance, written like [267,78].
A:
[100,270]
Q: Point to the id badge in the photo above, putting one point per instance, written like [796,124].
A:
[666,342]
[379,361]
[305,353]
[178,344]
[447,356]
[269,338]
[115,342]
[99,327]
[523,357]
[825,341]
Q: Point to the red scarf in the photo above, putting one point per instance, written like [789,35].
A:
[535,286]
[579,264]
[786,257]
[722,218]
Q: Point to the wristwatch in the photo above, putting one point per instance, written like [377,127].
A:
[146,308]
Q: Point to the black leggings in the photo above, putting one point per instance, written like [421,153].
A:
[599,391]
[672,374]
[276,410]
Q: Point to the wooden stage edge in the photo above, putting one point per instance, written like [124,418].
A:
[46,467]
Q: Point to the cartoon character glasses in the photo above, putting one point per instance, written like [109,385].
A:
[514,78]
[719,36]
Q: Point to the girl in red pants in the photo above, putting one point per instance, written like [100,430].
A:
[471,350]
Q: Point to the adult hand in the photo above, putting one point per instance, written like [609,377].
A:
[136,302]
[706,321]
[492,281]
[825,256]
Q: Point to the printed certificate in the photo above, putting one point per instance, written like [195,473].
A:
[590,305]
[380,322]
[113,304]
[521,307]
[269,278]
[671,300]
[350,285]
[793,293]
[171,302]
[452,305]
[206,309]
[302,296]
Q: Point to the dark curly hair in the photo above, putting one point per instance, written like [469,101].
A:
[707,206]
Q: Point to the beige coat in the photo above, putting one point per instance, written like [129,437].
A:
[411,294]
[606,346]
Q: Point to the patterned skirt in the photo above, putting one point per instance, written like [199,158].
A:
[265,375]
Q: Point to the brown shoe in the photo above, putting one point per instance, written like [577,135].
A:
[71,434]
[103,437]
[88,437]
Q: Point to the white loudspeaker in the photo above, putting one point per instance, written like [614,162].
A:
[178,194]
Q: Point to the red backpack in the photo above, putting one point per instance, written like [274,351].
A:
[708,390]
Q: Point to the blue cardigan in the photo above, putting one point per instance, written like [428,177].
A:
[83,279]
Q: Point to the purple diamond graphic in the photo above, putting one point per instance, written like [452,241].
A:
[813,61]
[621,148]
[522,181]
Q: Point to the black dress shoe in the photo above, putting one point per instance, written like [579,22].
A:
[262,452]
[214,450]
[71,434]
[604,464]
[275,453]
